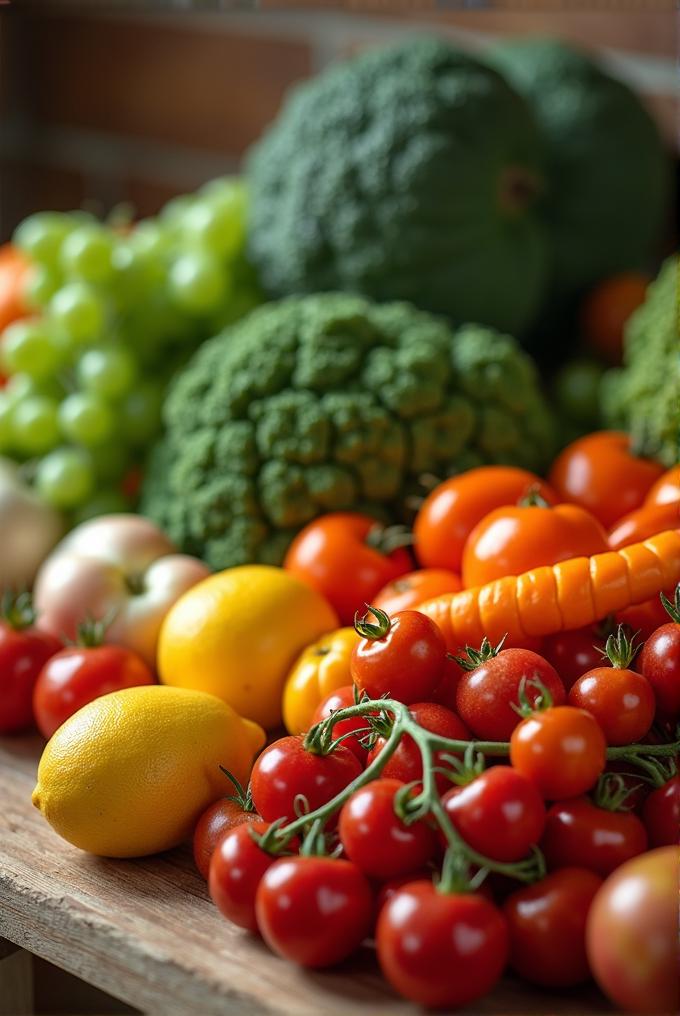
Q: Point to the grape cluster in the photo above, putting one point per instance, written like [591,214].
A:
[117,307]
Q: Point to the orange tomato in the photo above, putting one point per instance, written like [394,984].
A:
[13,268]
[645,617]
[452,510]
[607,309]
[416,587]
[666,489]
[644,522]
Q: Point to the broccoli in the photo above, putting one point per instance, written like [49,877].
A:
[642,396]
[331,402]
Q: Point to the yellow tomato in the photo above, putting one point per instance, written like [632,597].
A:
[321,668]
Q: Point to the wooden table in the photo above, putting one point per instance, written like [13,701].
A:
[147,932]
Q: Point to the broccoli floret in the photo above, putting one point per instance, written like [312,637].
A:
[642,396]
[332,402]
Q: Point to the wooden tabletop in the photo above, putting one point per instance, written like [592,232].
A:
[147,932]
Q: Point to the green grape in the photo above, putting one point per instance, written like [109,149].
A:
[6,429]
[86,419]
[42,234]
[78,310]
[174,210]
[149,237]
[140,414]
[35,427]
[110,461]
[27,346]
[232,189]
[215,225]
[86,253]
[104,502]
[64,478]
[39,285]
[20,386]
[110,371]
[197,282]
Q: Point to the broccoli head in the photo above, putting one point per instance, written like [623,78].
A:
[331,402]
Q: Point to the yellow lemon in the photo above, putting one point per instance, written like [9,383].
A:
[237,634]
[131,772]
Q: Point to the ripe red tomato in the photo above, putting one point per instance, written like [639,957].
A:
[500,814]
[24,649]
[334,555]
[374,837]
[547,922]
[449,514]
[314,910]
[213,825]
[578,833]
[563,750]
[645,617]
[666,489]
[573,653]
[606,310]
[486,694]
[389,888]
[286,769]
[661,814]
[659,662]
[621,701]
[600,473]
[644,522]
[441,949]
[412,589]
[77,675]
[447,689]
[406,662]
[340,699]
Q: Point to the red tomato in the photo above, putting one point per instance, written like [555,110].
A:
[314,910]
[286,769]
[621,701]
[644,522]
[414,588]
[407,662]
[606,310]
[486,694]
[563,750]
[77,675]
[14,270]
[661,814]
[445,692]
[375,839]
[340,699]
[573,653]
[645,617]
[666,489]
[578,833]
[547,922]
[659,662]
[600,473]
[333,555]
[516,538]
[236,868]
[389,888]
[449,514]
[500,814]
[441,949]
[213,825]
[24,650]
[632,933]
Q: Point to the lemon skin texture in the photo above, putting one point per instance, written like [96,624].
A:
[131,772]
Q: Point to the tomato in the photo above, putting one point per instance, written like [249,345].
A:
[632,930]
[644,522]
[24,649]
[213,825]
[318,671]
[287,769]
[340,699]
[578,833]
[517,538]
[452,510]
[14,270]
[500,814]
[659,662]
[440,949]
[406,660]
[339,555]
[621,701]
[486,694]
[645,617]
[415,587]
[547,922]
[666,489]
[563,750]
[606,310]
[661,814]
[236,868]
[314,910]
[445,692]
[573,653]
[600,473]
[77,675]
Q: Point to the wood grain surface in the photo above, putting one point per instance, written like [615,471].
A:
[147,932]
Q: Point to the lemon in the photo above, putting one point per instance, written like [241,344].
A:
[238,633]
[131,772]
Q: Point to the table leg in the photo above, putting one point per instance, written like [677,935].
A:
[16,980]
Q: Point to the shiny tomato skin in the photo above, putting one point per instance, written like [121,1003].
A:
[314,911]
[573,653]
[213,825]
[77,675]
[661,814]
[332,556]
[485,695]
[645,617]
[632,932]
[441,950]
[621,701]
[500,814]
[375,839]
[286,769]
[563,750]
[447,689]
[666,489]
[547,922]
[407,663]
[642,523]
[23,653]
[659,663]
[408,591]
[579,834]
[340,699]
[236,868]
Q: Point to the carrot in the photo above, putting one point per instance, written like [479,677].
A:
[571,594]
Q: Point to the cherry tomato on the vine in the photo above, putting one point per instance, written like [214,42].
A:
[403,656]
[621,701]
[24,649]
[447,689]
[563,750]
[412,589]
[340,699]
[661,814]
[659,662]
[578,833]
[573,653]
[213,825]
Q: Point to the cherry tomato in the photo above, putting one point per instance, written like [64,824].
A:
[606,310]
[578,833]
[445,692]
[407,662]
[486,694]
[621,701]
[24,649]
[600,473]
[314,910]
[389,888]
[414,588]
[666,489]
[213,825]
[547,922]
[516,538]
[563,750]
[449,514]
[644,522]
[441,949]
[500,814]
[661,814]
[236,868]
[334,555]
[632,933]
[77,675]
[573,653]
[659,662]
[340,699]
[286,768]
